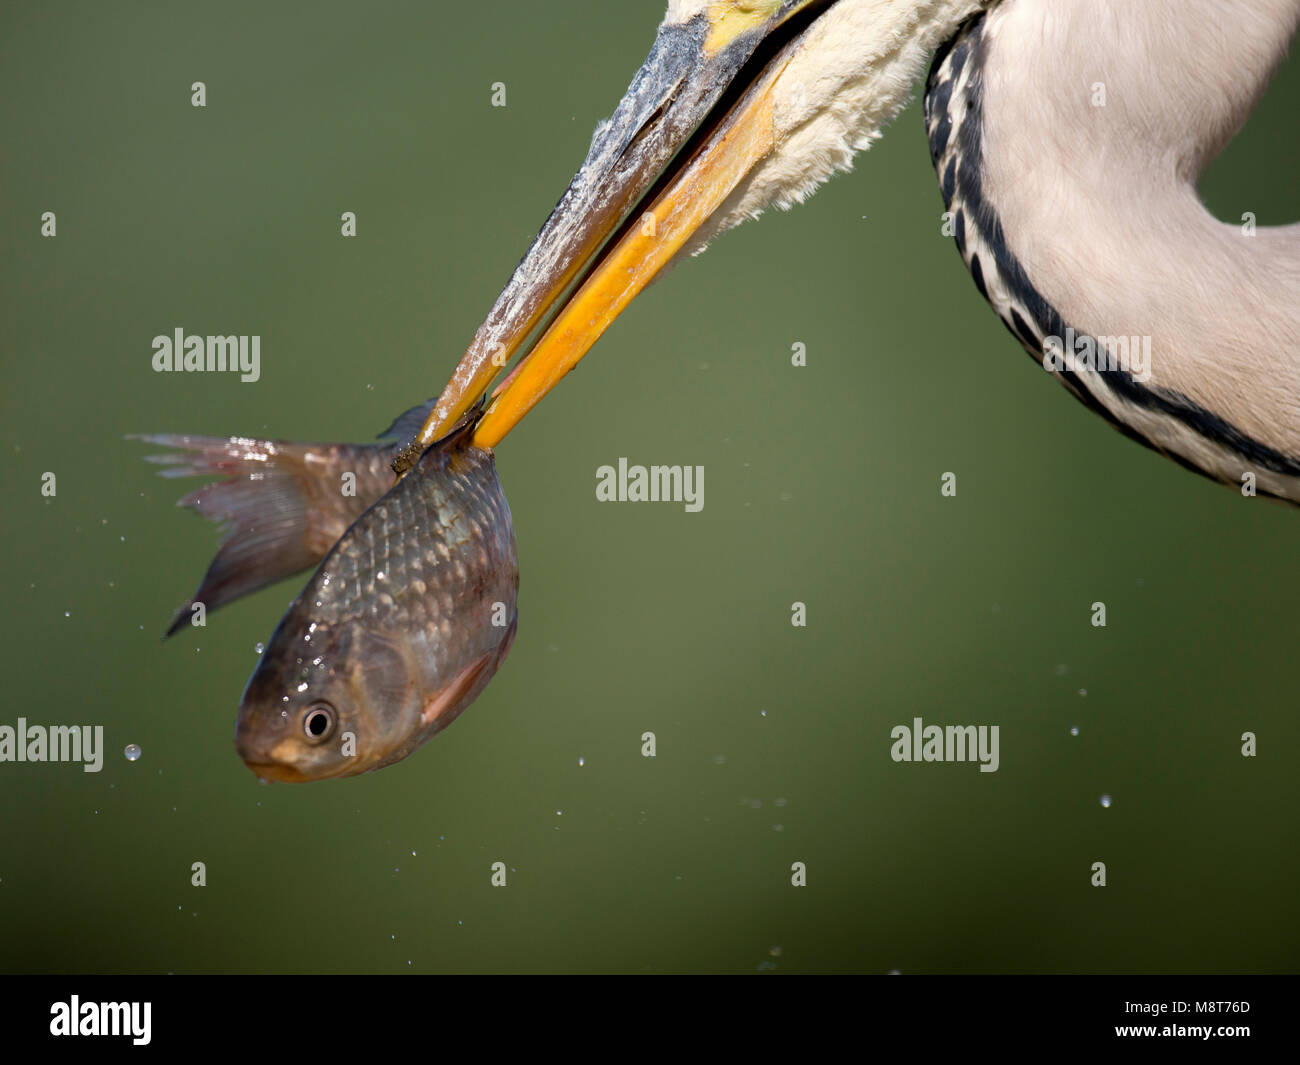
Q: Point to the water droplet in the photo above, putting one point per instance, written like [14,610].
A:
[582,761]
[67,613]
[259,647]
[559,813]
[1105,801]
[132,752]
[1074,731]
[762,713]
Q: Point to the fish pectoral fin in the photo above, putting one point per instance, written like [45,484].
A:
[441,706]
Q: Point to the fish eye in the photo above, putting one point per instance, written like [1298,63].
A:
[318,721]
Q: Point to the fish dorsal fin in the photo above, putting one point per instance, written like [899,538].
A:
[412,421]
[407,424]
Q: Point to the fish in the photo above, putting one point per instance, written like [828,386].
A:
[409,614]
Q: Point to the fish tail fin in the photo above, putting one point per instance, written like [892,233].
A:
[280,506]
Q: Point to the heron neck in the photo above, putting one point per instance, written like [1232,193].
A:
[1099,117]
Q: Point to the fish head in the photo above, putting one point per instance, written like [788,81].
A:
[328,700]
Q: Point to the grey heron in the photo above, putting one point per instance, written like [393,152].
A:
[1068,137]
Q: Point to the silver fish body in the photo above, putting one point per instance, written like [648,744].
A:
[408,615]
[402,625]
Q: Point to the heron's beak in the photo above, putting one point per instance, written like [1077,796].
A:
[695,120]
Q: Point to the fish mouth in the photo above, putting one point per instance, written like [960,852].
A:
[261,756]
[697,118]
[276,771]
[281,772]
[277,758]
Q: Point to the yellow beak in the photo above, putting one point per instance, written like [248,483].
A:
[633,262]
[696,119]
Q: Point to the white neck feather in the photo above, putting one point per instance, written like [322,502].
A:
[1099,203]
[847,77]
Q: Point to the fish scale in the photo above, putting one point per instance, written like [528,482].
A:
[391,657]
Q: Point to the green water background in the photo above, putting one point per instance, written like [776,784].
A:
[822,486]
